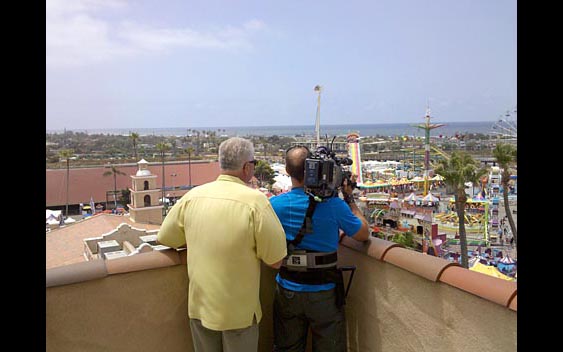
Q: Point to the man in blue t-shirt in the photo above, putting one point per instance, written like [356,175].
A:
[309,299]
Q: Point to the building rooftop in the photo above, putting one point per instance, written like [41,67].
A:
[65,245]
[90,182]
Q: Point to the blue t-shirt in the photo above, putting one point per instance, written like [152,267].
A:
[330,215]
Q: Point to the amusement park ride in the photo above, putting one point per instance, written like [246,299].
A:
[427,126]
[482,210]
[507,125]
[429,217]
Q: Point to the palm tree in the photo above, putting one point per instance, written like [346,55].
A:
[505,154]
[114,171]
[66,154]
[162,148]
[264,173]
[457,170]
[134,137]
[190,150]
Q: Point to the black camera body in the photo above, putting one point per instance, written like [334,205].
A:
[325,173]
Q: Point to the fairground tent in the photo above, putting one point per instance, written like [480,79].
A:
[507,260]
[490,270]
[506,264]
[282,182]
[437,178]
[430,198]
[52,214]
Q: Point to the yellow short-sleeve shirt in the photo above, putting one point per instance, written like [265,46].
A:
[228,229]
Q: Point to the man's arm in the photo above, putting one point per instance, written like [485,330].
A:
[270,238]
[363,232]
[171,232]
[276,265]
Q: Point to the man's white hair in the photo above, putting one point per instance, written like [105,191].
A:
[234,152]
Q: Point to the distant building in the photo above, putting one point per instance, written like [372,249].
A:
[121,242]
[145,207]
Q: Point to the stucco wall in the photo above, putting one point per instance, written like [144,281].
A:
[389,309]
[143,215]
[138,311]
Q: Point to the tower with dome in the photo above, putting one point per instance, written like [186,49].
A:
[145,206]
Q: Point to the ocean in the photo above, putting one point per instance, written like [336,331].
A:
[391,129]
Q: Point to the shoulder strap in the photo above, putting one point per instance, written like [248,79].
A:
[306,227]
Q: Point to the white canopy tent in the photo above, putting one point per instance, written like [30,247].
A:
[283,182]
[52,214]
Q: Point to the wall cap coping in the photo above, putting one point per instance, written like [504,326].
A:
[427,266]
[488,287]
[76,272]
[437,269]
[143,261]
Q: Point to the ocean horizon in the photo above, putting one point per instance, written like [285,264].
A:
[387,129]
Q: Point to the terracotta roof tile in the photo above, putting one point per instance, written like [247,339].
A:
[374,247]
[427,266]
[362,247]
[514,303]
[485,286]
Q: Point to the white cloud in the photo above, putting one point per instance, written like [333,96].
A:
[77,34]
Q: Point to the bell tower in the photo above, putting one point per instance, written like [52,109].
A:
[144,207]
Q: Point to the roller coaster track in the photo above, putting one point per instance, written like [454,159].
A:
[441,152]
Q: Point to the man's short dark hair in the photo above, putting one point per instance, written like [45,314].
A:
[295,161]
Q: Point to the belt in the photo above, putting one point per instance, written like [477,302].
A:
[301,260]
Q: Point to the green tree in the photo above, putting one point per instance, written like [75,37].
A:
[406,239]
[457,170]
[66,154]
[162,149]
[506,154]
[134,138]
[264,173]
[125,196]
[114,171]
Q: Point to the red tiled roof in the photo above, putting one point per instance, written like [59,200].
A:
[90,182]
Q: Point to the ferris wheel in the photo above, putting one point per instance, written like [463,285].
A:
[506,126]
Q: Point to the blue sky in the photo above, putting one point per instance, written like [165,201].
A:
[218,63]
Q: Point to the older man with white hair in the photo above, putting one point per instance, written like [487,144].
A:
[228,228]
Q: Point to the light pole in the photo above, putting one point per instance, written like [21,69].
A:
[189,150]
[173,175]
[173,188]
[67,183]
[318,120]
[190,168]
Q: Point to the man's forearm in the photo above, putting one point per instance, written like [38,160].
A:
[363,233]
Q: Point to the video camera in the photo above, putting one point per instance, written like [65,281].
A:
[325,173]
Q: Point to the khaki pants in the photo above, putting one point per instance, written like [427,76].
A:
[237,340]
